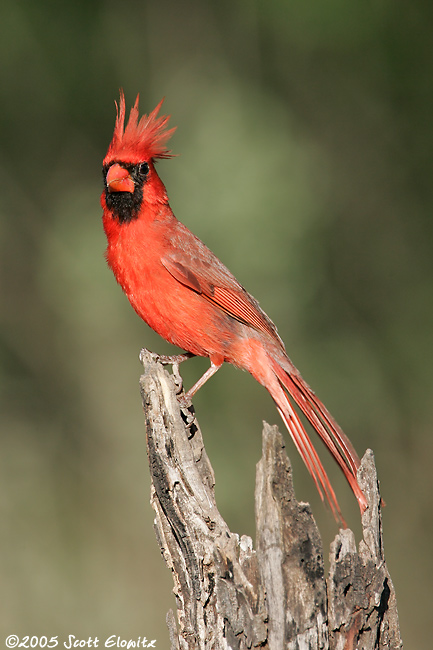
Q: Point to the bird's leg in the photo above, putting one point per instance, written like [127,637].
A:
[176,359]
[173,360]
[169,359]
[185,400]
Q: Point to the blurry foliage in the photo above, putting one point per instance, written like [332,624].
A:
[305,136]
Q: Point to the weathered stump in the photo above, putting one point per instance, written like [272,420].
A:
[276,597]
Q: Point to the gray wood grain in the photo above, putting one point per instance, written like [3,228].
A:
[276,597]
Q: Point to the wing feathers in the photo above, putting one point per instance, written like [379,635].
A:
[209,278]
[234,300]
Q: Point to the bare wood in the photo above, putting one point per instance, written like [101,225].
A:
[362,602]
[229,595]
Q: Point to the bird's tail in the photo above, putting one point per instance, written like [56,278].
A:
[319,417]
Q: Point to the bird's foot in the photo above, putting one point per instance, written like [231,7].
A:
[174,360]
[178,384]
[184,400]
[166,359]
[189,419]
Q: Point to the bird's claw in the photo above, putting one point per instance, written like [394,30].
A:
[188,416]
[174,360]
[177,380]
[166,359]
[185,401]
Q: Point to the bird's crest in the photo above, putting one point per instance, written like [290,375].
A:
[141,139]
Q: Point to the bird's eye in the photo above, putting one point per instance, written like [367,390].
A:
[143,169]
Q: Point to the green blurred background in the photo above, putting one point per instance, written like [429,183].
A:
[305,134]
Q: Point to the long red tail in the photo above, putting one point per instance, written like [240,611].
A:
[319,417]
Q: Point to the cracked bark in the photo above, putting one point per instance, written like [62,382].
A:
[229,595]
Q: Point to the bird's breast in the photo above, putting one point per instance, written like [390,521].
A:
[177,313]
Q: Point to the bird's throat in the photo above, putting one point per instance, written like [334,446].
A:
[124,206]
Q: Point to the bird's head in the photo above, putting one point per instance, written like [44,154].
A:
[128,167]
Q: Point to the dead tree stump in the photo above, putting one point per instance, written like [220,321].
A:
[230,596]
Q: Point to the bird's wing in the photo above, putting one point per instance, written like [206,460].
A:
[201,271]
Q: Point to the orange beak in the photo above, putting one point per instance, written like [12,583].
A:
[119,180]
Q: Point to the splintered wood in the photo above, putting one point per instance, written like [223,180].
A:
[276,597]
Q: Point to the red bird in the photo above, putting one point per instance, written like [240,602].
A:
[183,291]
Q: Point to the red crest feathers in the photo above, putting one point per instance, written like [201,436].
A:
[141,139]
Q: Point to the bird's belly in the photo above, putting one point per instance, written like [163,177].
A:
[176,312]
[182,316]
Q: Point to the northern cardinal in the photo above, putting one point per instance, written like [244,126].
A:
[183,291]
